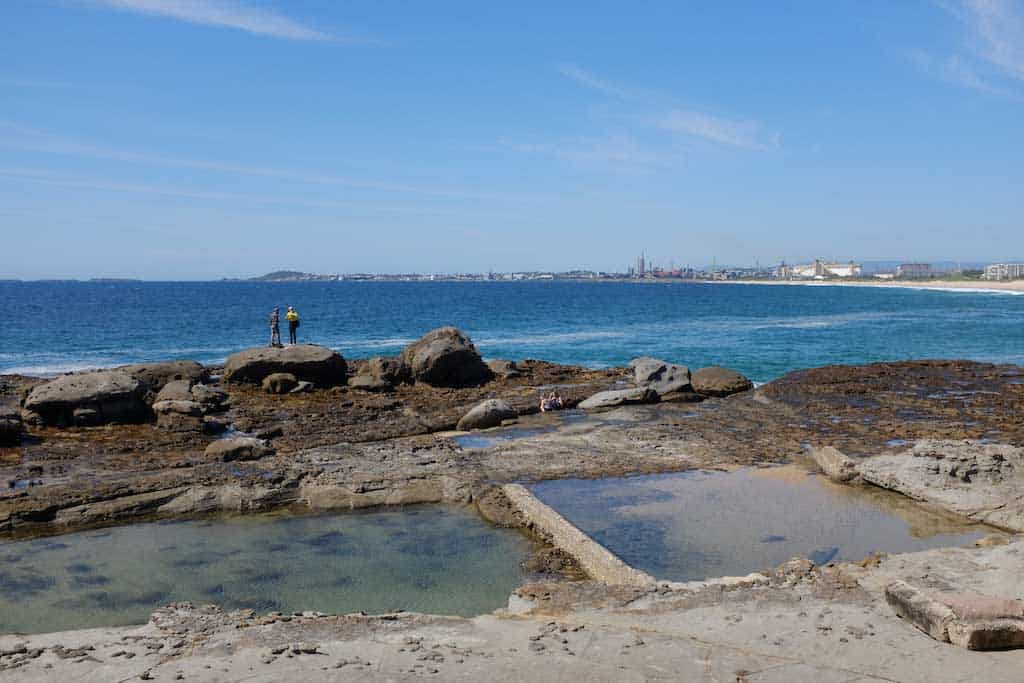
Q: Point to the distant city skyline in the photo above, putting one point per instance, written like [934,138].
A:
[168,140]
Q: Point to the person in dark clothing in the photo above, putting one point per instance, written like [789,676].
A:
[275,327]
[293,324]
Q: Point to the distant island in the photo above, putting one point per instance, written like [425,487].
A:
[293,276]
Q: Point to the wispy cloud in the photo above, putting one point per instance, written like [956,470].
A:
[34,140]
[992,57]
[224,14]
[662,113]
[46,177]
[619,152]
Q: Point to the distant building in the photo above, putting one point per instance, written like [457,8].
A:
[1004,271]
[819,270]
[914,271]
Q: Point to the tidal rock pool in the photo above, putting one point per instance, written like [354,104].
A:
[696,525]
[424,558]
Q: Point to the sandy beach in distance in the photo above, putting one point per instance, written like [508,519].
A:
[1005,286]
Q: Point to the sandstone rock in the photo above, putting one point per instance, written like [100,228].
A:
[835,464]
[664,377]
[393,371]
[620,397]
[485,414]
[177,415]
[175,390]
[89,398]
[279,383]
[321,366]
[716,381]
[446,357]
[157,375]
[10,425]
[212,398]
[505,369]
[370,383]
[984,482]
[968,620]
[238,448]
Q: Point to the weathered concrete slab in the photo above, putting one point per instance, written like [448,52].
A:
[599,562]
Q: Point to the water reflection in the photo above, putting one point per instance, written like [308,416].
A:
[428,559]
[695,525]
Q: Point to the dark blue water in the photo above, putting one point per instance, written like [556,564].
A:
[763,331]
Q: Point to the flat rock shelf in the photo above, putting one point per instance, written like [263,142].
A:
[701,524]
[427,558]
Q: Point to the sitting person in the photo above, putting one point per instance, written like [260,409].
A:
[551,402]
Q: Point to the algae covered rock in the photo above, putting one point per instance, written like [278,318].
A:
[446,357]
[317,364]
[716,381]
[10,425]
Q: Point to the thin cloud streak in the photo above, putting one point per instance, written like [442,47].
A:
[29,139]
[41,177]
[726,131]
[223,14]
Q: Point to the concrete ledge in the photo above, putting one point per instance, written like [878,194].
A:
[599,562]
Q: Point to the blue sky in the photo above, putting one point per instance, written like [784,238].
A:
[182,139]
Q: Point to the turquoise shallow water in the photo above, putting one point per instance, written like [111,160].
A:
[764,331]
[424,558]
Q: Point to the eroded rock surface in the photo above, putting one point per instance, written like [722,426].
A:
[317,364]
[446,357]
[89,398]
[715,381]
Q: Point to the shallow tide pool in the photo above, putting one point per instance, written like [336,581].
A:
[695,525]
[424,558]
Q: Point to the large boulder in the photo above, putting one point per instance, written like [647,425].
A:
[381,374]
[10,425]
[489,413]
[238,448]
[89,398]
[446,357]
[620,397]
[716,381]
[157,375]
[662,376]
[317,364]
[279,383]
[175,390]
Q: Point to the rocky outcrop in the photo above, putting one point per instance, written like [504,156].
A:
[317,364]
[175,390]
[506,369]
[238,448]
[279,383]
[10,425]
[211,398]
[968,620]
[835,464]
[446,357]
[486,414]
[381,374]
[716,381]
[661,376]
[620,397]
[178,415]
[88,398]
[984,482]
[156,375]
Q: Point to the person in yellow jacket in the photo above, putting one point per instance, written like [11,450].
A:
[292,316]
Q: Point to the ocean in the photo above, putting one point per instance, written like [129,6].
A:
[761,330]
